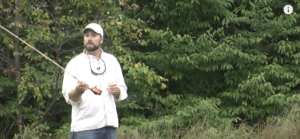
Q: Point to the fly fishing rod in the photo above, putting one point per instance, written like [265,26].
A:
[93,89]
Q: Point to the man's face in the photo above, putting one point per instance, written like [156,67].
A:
[92,40]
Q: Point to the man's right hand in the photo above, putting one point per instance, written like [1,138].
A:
[76,93]
[81,87]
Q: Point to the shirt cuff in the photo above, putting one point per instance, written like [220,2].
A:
[70,101]
[123,94]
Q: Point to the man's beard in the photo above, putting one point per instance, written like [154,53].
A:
[93,48]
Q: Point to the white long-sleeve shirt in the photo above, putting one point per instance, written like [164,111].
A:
[93,111]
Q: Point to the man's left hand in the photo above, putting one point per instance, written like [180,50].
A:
[114,89]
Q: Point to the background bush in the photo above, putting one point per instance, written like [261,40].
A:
[187,64]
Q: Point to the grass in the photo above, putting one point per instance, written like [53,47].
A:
[285,127]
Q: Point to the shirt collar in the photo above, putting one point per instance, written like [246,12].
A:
[103,54]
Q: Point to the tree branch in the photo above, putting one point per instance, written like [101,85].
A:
[52,103]
[8,113]
[7,60]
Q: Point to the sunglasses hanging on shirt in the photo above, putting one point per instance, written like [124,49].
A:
[98,68]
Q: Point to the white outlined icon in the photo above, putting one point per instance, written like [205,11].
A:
[288,9]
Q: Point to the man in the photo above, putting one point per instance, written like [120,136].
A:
[94,114]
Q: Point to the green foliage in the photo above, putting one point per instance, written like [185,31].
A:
[210,61]
[243,53]
[34,133]
[186,114]
[63,132]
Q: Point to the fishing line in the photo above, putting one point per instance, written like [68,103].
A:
[93,89]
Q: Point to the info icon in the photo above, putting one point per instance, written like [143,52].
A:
[288,9]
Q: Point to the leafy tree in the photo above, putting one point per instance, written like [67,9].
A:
[53,28]
[243,53]
[182,60]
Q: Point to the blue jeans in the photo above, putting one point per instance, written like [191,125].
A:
[101,133]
